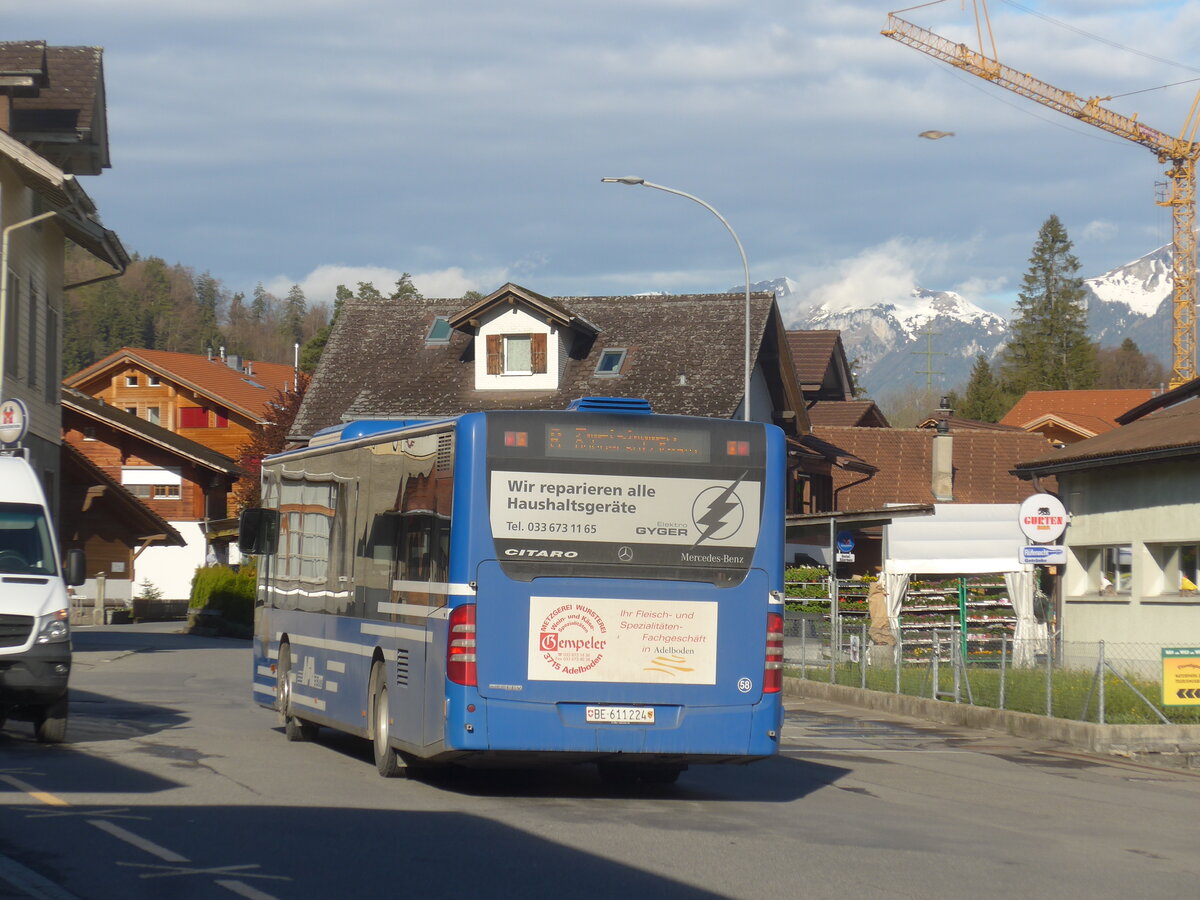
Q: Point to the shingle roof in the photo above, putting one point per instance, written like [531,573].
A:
[846,412]
[248,393]
[1169,432]
[1093,412]
[904,457]
[680,358]
[67,113]
[960,424]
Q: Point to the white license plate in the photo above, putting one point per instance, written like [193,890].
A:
[621,715]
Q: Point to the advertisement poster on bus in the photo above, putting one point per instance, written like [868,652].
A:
[627,518]
[631,641]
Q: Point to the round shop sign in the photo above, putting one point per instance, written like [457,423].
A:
[14,420]
[1043,518]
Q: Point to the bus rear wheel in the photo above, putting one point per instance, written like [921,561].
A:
[296,729]
[388,761]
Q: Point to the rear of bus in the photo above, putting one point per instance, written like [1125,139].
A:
[628,588]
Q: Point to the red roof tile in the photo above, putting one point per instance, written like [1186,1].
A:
[1093,411]
[981,459]
[247,392]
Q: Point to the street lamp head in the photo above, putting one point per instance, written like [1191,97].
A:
[628,179]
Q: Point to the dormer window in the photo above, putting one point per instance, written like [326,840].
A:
[439,331]
[516,354]
[610,362]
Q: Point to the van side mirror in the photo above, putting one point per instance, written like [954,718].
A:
[258,531]
[76,568]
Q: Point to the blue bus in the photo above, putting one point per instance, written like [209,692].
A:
[598,584]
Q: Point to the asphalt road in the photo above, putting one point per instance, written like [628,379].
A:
[174,784]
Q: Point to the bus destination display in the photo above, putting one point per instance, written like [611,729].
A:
[599,441]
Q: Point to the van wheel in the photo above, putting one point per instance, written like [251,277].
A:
[388,761]
[296,729]
[50,722]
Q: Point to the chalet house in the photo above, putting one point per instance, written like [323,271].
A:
[1065,417]
[52,128]
[103,518]
[213,399]
[516,349]
[1133,542]
[181,481]
[827,382]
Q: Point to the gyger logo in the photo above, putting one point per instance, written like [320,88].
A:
[717,512]
[572,638]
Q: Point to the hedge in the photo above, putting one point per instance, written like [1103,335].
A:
[230,593]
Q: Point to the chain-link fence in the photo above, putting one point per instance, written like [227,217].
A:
[1105,682]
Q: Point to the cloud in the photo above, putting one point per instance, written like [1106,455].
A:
[320,285]
[885,273]
[1099,230]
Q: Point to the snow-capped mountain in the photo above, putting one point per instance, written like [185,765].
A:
[932,338]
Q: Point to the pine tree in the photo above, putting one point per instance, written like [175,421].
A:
[405,289]
[295,307]
[983,401]
[1049,349]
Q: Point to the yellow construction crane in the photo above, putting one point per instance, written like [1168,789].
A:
[1178,153]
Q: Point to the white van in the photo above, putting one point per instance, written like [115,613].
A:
[35,632]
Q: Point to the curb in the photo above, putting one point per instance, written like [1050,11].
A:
[1172,745]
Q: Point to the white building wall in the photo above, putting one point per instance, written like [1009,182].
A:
[1146,507]
[171,569]
[516,319]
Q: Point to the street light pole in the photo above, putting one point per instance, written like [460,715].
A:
[745,268]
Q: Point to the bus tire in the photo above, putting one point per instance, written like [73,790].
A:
[388,762]
[50,722]
[294,728]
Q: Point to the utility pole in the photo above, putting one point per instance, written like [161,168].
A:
[929,353]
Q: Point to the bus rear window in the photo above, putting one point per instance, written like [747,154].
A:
[624,496]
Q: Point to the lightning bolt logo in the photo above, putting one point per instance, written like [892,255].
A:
[719,512]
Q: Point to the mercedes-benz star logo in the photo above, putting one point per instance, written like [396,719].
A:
[625,554]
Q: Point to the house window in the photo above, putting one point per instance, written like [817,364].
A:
[1110,569]
[193,417]
[131,381]
[516,354]
[32,364]
[166,491]
[153,380]
[89,432]
[132,410]
[439,331]
[153,415]
[610,362]
[1179,568]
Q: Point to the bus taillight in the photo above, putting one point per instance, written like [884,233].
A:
[460,654]
[773,670]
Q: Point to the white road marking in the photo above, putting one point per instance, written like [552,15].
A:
[140,842]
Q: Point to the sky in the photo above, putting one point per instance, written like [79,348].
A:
[326,142]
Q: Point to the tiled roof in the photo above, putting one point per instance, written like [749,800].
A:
[680,358]
[213,378]
[811,352]
[981,459]
[1093,411]
[846,412]
[1169,432]
[100,411]
[25,58]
